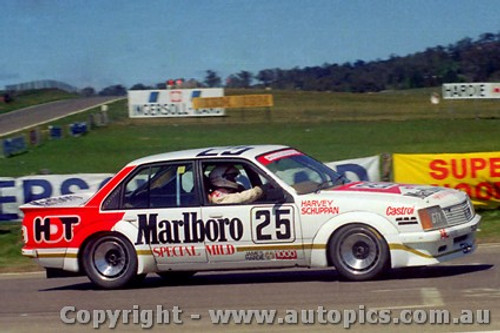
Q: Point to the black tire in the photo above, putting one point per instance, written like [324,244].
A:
[176,277]
[359,252]
[110,261]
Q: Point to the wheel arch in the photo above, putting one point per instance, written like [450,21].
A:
[320,248]
[145,258]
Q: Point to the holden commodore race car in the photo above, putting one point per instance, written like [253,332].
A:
[156,216]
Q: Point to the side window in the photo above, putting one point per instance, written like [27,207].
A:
[158,186]
[246,177]
[242,178]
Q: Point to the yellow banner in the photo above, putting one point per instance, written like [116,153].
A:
[243,101]
[478,174]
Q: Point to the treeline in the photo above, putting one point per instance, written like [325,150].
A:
[467,60]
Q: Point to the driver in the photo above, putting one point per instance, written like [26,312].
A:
[225,189]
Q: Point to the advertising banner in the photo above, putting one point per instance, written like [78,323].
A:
[478,174]
[471,90]
[359,169]
[15,192]
[171,103]
[243,101]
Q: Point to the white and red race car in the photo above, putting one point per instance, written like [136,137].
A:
[154,216]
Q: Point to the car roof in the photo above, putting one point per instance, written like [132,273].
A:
[247,152]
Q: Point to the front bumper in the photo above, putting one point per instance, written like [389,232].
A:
[433,247]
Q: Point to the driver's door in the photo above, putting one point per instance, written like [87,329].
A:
[263,233]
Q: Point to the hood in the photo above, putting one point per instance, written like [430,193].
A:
[431,195]
[63,201]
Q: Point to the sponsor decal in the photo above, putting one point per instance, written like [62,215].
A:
[443,233]
[406,220]
[318,207]
[441,195]
[55,201]
[423,193]
[271,255]
[286,254]
[399,211]
[190,229]
[53,229]
[192,251]
[176,251]
[220,249]
[258,255]
[269,158]
[371,187]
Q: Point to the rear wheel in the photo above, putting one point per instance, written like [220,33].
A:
[359,252]
[110,262]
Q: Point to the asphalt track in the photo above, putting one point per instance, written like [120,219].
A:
[14,121]
[30,302]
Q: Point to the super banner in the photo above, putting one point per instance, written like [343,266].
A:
[478,174]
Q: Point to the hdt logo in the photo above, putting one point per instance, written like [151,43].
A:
[53,229]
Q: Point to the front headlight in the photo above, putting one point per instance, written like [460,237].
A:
[432,218]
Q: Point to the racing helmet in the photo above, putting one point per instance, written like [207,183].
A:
[224,176]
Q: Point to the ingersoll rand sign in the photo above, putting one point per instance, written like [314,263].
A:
[171,103]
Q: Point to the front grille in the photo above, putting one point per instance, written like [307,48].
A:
[458,214]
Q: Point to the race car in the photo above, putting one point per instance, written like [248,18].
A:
[155,216]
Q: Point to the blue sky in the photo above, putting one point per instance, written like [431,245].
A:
[104,42]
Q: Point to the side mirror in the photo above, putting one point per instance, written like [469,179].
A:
[276,195]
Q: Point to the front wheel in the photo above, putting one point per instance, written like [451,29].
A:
[110,261]
[358,252]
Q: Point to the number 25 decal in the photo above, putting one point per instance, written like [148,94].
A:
[273,225]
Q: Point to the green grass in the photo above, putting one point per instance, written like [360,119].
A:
[11,259]
[107,149]
[329,126]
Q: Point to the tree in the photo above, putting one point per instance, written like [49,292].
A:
[140,86]
[241,80]
[87,92]
[116,90]
[245,78]
[266,76]
[212,79]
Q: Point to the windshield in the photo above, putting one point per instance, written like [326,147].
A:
[300,171]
